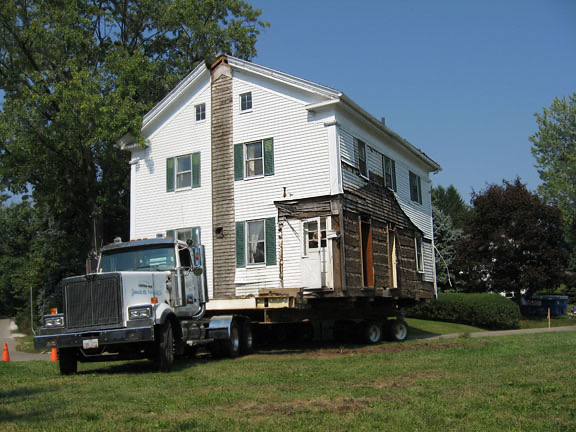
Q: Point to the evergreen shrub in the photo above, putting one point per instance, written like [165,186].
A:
[488,311]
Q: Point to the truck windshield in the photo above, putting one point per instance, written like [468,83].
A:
[138,259]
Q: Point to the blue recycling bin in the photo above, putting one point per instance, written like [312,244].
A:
[539,305]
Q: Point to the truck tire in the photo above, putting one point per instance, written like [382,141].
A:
[164,348]
[398,331]
[247,342]
[68,360]
[229,347]
[371,332]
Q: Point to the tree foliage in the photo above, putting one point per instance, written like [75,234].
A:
[446,236]
[76,76]
[512,242]
[449,201]
[554,147]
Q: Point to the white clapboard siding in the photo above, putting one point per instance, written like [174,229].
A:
[301,162]
[157,211]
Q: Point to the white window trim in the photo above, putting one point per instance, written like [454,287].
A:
[419,196]
[247,243]
[394,186]
[176,173]
[248,110]
[196,113]
[191,229]
[419,241]
[245,150]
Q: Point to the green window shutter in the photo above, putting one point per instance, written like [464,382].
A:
[195,170]
[238,161]
[271,241]
[171,233]
[170,175]
[269,156]
[240,244]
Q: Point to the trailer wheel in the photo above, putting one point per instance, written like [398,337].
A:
[247,342]
[398,331]
[68,360]
[371,332]
[164,348]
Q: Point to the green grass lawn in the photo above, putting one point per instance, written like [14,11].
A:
[513,383]
[542,322]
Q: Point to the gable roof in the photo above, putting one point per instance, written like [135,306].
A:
[332,97]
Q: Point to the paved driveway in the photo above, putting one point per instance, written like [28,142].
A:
[7,337]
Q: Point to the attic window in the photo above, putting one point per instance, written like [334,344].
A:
[246,102]
[415,188]
[200,112]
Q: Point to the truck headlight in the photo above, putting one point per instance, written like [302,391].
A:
[142,312]
[54,321]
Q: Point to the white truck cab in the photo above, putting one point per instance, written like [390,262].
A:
[146,300]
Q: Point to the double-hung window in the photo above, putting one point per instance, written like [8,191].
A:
[256,242]
[183,172]
[419,254]
[200,112]
[246,102]
[415,188]
[254,159]
[389,172]
[186,234]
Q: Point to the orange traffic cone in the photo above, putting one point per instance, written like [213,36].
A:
[5,354]
[54,355]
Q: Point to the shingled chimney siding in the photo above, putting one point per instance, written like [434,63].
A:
[223,228]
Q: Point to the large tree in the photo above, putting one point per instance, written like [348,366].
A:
[513,242]
[554,147]
[78,74]
[446,236]
[449,201]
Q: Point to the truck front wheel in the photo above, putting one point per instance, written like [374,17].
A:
[164,348]
[68,360]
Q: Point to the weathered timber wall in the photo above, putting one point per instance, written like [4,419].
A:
[378,204]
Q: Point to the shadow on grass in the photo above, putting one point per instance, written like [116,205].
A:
[416,333]
[20,395]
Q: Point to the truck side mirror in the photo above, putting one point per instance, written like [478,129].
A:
[197,271]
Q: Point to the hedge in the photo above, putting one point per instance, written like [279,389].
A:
[488,311]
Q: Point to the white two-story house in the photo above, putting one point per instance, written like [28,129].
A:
[289,185]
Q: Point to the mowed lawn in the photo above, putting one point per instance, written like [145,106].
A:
[513,383]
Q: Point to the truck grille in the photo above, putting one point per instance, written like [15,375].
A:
[93,301]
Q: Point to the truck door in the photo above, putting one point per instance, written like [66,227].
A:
[189,280]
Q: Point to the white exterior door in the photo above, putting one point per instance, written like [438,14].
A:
[314,267]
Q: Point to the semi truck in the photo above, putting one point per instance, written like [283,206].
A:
[147,299]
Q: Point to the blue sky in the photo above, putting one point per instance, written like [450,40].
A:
[459,79]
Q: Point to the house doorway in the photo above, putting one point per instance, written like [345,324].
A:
[315,254]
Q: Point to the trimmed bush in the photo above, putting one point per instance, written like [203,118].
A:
[488,311]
